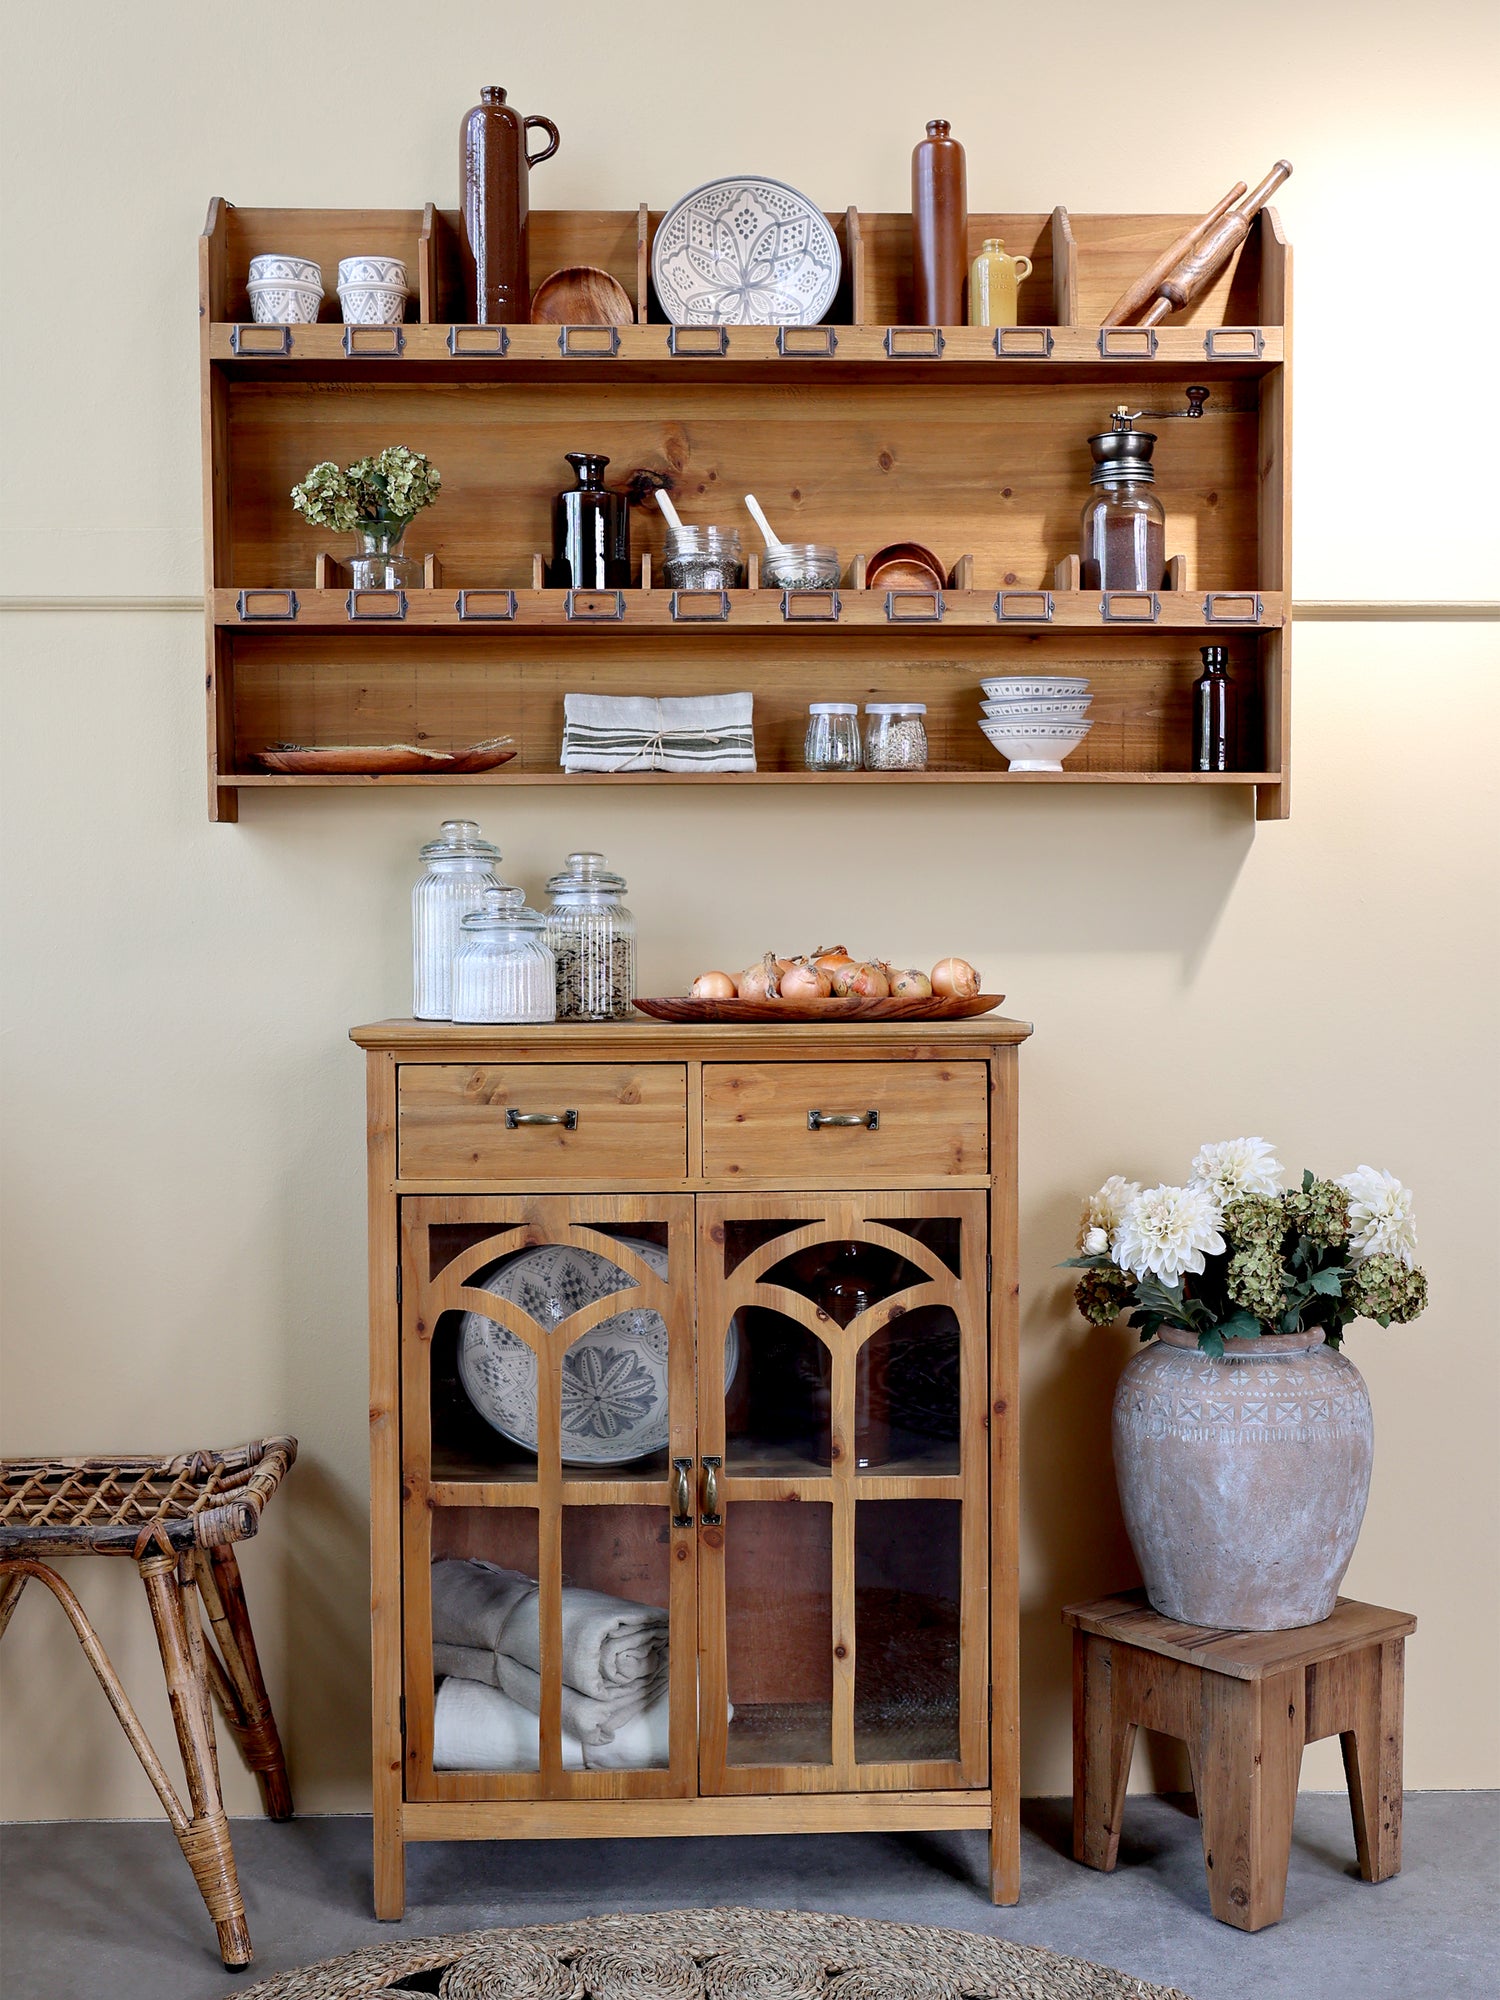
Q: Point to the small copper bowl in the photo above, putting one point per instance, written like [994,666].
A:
[904,566]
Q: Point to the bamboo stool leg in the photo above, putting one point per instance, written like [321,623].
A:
[239,1684]
[205,1839]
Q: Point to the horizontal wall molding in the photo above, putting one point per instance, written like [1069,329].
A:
[1311,610]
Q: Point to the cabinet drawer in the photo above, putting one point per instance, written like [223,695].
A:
[914,1119]
[602,1121]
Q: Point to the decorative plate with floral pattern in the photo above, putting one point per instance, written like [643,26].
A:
[745,252]
[614,1379]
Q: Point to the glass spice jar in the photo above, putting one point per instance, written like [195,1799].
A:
[703,559]
[503,969]
[592,937]
[457,868]
[832,742]
[895,736]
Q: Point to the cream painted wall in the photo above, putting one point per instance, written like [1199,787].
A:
[183,1247]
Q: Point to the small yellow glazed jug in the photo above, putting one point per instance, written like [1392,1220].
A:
[993,282]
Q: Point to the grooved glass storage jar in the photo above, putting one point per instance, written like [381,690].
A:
[503,969]
[832,741]
[592,936]
[457,868]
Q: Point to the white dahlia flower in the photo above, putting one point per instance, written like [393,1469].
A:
[1104,1209]
[1381,1223]
[1234,1167]
[1166,1231]
[1095,1242]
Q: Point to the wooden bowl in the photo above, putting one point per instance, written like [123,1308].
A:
[904,566]
[581,295]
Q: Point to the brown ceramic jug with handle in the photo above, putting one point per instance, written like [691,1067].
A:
[493,169]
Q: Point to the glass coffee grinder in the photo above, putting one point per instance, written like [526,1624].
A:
[1124,524]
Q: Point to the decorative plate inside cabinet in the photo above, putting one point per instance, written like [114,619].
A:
[614,1379]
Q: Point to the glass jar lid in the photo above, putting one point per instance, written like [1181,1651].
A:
[459,837]
[833,708]
[895,708]
[502,909]
[586,873]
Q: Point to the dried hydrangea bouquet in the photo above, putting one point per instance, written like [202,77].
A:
[1243,1437]
[376,500]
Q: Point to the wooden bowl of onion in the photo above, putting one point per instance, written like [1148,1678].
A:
[829,984]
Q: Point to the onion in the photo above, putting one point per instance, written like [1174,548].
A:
[712,986]
[760,982]
[955,979]
[830,956]
[803,980]
[860,982]
[910,985]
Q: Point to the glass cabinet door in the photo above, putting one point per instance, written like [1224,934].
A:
[549,1554]
[842,1369]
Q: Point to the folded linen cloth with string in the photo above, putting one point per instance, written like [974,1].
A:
[485,1627]
[700,732]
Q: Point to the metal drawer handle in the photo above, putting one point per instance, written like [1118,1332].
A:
[682,1493]
[816,1120]
[513,1118]
[710,1515]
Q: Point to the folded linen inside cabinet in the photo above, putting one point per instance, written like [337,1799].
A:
[701,732]
[477,1728]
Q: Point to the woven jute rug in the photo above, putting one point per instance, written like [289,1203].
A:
[708,1955]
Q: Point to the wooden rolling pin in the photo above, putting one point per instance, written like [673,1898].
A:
[1130,301]
[1212,252]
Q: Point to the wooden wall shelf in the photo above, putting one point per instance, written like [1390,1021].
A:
[860,432]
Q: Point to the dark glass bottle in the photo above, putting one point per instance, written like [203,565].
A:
[590,531]
[854,1279]
[1213,713]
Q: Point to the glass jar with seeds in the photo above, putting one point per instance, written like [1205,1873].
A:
[895,736]
[592,937]
[703,559]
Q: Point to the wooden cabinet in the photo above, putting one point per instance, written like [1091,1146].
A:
[970,440]
[747,1371]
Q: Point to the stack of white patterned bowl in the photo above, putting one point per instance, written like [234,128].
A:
[1034,721]
[372,291]
[284,291]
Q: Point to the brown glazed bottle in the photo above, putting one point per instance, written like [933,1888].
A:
[939,227]
[493,168]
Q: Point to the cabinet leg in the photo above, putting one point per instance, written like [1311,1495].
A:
[1246,1761]
[205,1839]
[1103,1742]
[390,1864]
[1005,1851]
[1372,1760]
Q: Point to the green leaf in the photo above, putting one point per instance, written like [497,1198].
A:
[1308,1178]
[1211,1341]
[1240,1325]
[1103,1262]
[1329,1282]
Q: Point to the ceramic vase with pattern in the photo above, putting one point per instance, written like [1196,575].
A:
[1243,1480]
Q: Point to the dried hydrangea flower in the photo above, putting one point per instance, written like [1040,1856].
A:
[1387,1289]
[1255,1221]
[1256,1279]
[1320,1212]
[1102,1295]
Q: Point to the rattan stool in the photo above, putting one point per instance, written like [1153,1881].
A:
[178,1519]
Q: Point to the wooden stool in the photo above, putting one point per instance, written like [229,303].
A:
[177,1518]
[1244,1703]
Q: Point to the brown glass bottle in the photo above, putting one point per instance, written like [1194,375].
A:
[590,531]
[939,227]
[493,170]
[1213,712]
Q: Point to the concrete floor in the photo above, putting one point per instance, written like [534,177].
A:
[109,1909]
